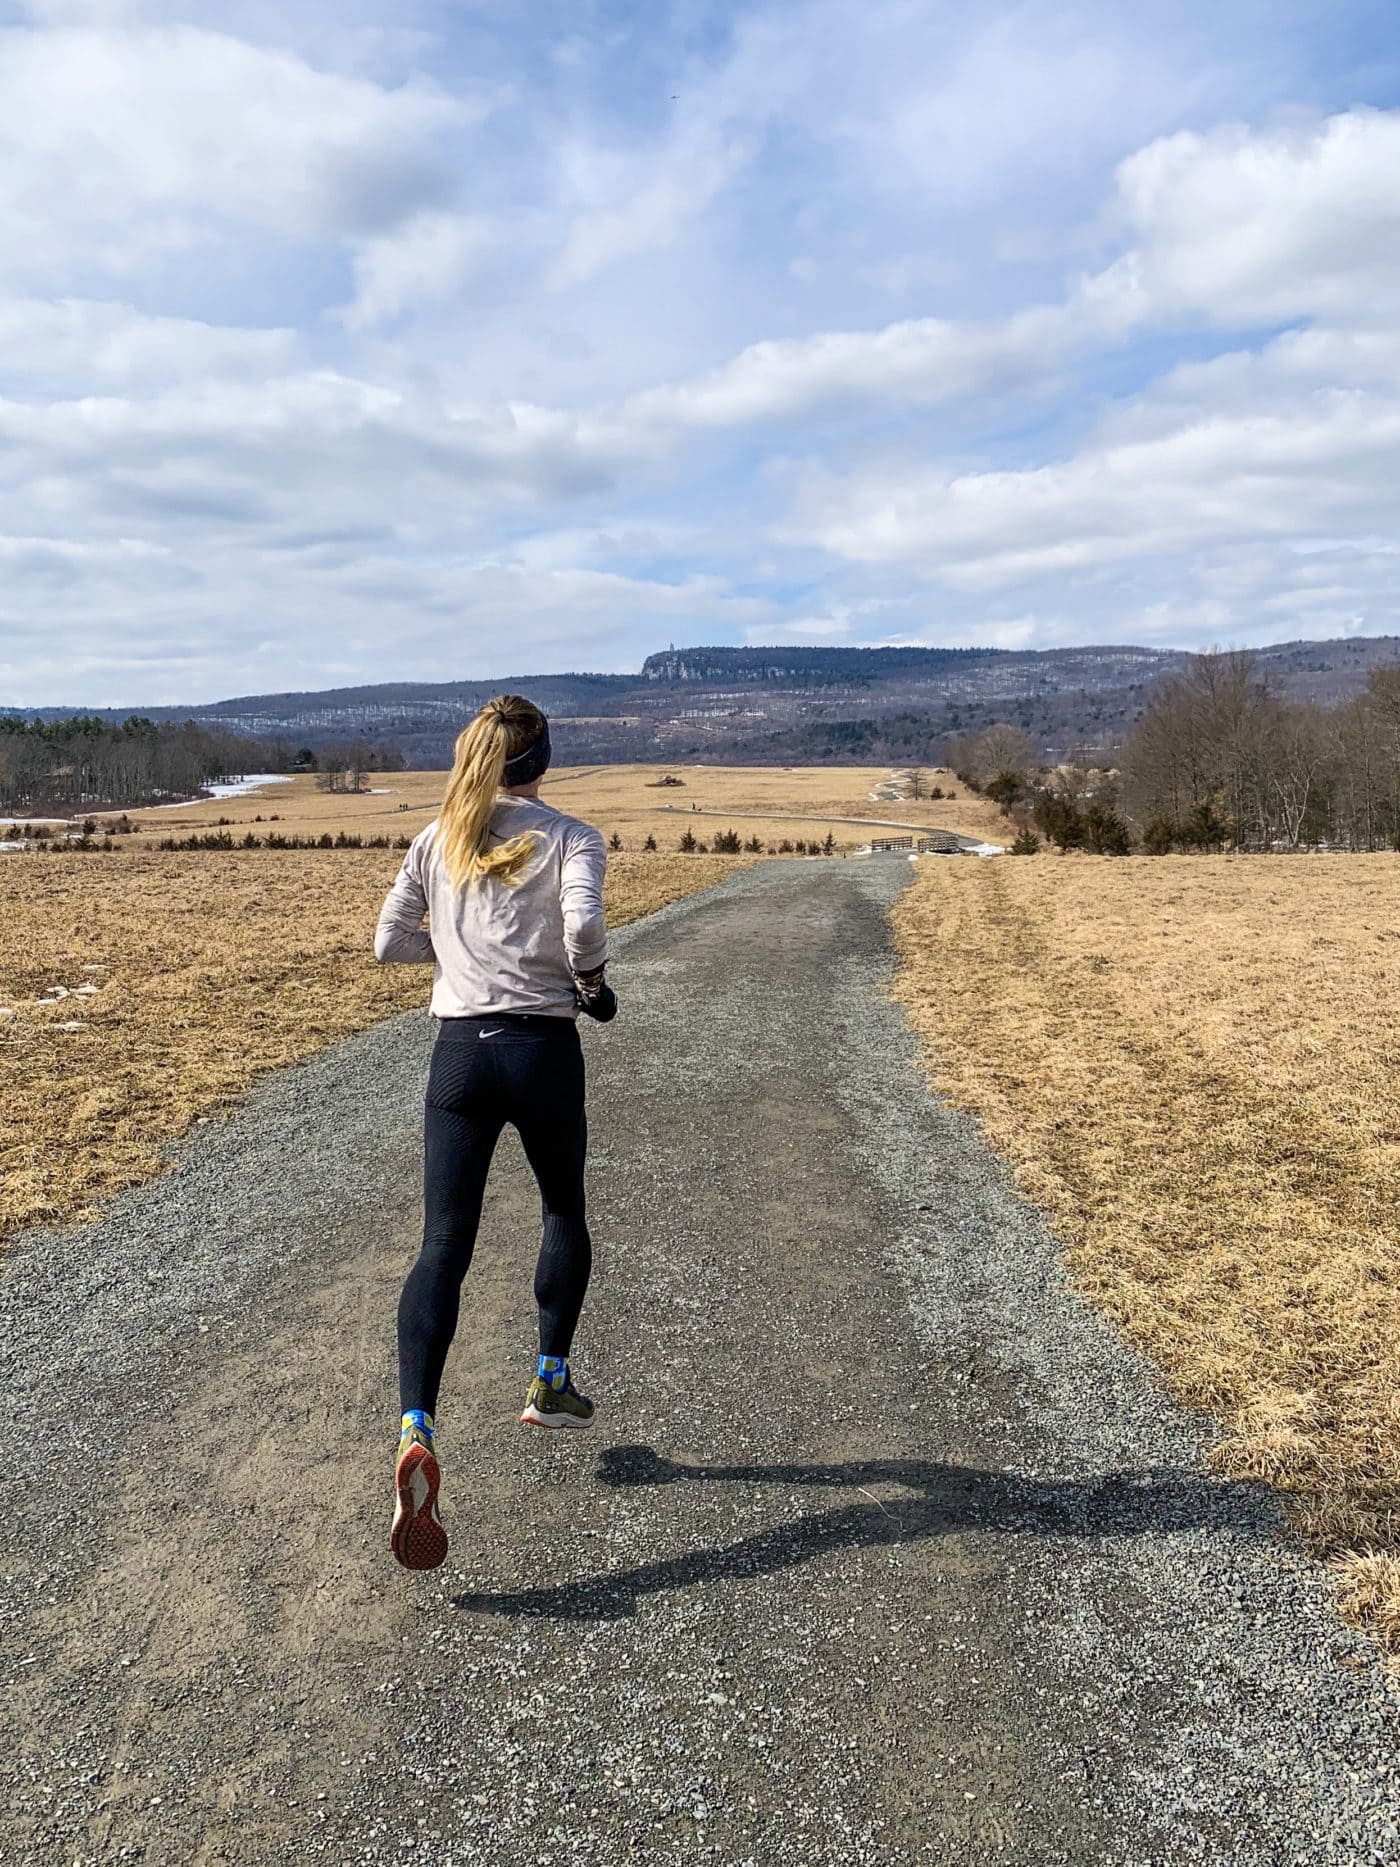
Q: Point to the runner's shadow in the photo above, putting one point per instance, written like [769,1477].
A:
[921,1498]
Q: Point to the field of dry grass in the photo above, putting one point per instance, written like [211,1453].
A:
[768,800]
[625,799]
[1192,1064]
[187,975]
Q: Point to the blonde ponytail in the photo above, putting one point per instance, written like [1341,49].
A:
[503,729]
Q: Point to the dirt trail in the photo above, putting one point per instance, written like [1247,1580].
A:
[883,1551]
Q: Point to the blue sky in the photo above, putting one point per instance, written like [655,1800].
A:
[362,342]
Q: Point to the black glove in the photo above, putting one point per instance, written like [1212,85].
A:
[594,997]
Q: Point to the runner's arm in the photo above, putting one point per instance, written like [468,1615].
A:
[401,938]
[581,875]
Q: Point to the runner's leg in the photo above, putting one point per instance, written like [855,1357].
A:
[462,1122]
[548,1111]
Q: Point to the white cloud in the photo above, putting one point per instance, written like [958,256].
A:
[1009,96]
[918,361]
[49,345]
[251,621]
[642,203]
[1204,480]
[430,259]
[622,197]
[842,622]
[1242,227]
[117,142]
[317,448]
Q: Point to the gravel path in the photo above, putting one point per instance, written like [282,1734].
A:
[884,1549]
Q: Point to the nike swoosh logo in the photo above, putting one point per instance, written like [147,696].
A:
[481,1034]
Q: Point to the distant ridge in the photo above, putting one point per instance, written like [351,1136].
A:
[783,704]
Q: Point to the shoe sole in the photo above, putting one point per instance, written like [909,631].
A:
[552,1422]
[417,1539]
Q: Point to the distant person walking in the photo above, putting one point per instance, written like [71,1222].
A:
[513,891]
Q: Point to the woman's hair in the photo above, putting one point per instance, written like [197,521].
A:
[504,728]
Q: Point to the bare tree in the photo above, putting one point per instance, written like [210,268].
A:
[1382,698]
[1296,760]
[1004,748]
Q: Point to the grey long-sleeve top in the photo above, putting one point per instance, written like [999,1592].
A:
[503,946]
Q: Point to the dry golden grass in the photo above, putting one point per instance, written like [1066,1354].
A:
[769,800]
[1192,1065]
[209,968]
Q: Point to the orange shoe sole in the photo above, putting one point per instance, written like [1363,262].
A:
[417,1539]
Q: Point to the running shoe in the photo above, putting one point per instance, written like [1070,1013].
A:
[550,1406]
[417,1539]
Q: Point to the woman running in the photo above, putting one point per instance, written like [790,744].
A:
[513,891]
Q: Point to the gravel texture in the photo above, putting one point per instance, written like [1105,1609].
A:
[884,1549]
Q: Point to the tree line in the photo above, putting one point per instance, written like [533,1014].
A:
[63,764]
[1219,759]
[104,842]
[730,843]
[79,763]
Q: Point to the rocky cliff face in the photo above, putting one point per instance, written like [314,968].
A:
[810,666]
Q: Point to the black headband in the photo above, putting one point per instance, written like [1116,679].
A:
[532,763]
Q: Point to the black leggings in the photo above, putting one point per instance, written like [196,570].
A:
[486,1072]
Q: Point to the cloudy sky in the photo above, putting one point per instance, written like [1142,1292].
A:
[363,341]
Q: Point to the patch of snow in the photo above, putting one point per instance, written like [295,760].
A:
[73,1024]
[236,787]
[86,991]
[986,849]
[14,845]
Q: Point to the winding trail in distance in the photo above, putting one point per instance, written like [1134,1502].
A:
[884,1549]
[798,816]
